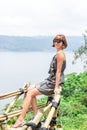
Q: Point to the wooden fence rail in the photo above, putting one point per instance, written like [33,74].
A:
[49,109]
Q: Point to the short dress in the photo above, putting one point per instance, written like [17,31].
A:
[46,87]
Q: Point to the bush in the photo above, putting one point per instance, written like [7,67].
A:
[73,105]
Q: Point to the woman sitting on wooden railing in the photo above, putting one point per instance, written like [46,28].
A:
[53,84]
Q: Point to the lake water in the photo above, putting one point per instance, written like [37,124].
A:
[17,68]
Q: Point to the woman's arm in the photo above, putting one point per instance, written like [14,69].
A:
[60,59]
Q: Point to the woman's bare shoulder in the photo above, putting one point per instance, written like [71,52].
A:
[61,55]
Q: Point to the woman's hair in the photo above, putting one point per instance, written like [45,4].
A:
[61,38]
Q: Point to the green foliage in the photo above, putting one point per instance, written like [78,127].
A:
[73,105]
[82,52]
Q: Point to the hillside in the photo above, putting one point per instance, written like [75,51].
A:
[72,111]
[36,43]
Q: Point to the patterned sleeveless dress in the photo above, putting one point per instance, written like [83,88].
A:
[47,86]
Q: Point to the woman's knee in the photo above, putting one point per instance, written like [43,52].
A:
[31,93]
[31,87]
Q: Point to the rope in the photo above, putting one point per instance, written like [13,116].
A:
[15,93]
[21,90]
[6,116]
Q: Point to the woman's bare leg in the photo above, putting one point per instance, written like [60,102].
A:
[30,95]
[33,102]
[34,105]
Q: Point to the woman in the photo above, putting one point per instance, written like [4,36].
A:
[50,85]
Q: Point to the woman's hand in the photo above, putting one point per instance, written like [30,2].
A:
[57,90]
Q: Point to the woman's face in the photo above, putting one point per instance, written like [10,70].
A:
[59,45]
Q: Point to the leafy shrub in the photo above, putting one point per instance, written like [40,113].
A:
[73,105]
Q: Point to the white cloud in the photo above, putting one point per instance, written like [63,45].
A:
[43,17]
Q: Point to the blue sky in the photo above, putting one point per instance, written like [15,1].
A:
[43,17]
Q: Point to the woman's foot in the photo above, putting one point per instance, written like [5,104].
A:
[18,123]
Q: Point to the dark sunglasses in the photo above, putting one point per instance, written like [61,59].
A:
[57,40]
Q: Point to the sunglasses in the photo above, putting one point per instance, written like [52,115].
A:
[57,40]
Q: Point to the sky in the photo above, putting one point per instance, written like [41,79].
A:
[43,17]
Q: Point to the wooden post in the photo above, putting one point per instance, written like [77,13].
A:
[40,113]
[12,103]
[37,118]
[15,99]
[19,128]
[52,112]
[3,126]
[52,125]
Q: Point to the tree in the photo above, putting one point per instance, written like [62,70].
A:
[82,52]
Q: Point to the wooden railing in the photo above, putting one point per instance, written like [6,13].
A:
[49,109]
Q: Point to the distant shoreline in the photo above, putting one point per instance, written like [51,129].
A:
[36,43]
